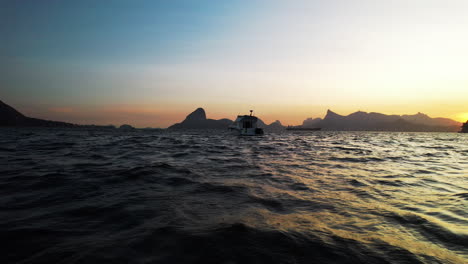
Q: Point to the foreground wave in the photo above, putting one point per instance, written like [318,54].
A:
[77,196]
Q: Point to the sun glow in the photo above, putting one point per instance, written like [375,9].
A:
[463,117]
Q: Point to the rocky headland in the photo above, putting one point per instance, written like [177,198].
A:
[11,117]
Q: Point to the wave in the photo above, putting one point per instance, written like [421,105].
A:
[76,196]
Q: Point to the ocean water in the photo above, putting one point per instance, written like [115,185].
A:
[78,196]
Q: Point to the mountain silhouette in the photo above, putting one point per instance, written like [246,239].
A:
[424,119]
[311,122]
[196,116]
[363,121]
[358,121]
[273,127]
[11,117]
[276,125]
[197,120]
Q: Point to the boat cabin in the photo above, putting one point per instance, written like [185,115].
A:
[246,125]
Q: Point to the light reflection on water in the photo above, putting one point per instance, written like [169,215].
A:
[406,190]
[322,196]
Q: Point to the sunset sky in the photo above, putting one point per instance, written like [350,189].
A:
[150,63]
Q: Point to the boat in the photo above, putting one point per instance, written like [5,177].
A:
[464,128]
[300,128]
[246,125]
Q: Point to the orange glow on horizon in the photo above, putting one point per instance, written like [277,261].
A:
[463,117]
[164,114]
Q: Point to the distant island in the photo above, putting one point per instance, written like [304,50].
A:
[363,121]
[197,120]
[358,121]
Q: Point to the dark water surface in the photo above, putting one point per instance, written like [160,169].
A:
[77,196]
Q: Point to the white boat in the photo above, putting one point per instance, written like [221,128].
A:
[246,125]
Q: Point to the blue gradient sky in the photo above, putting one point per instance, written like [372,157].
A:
[148,63]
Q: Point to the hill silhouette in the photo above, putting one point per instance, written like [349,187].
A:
[197,120]
[358,121]
[363,121]
[11,117]
[273,127]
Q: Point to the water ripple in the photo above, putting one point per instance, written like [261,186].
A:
[78,196]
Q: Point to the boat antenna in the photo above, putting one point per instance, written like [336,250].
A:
[251,111]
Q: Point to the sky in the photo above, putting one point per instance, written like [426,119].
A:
[150,63]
